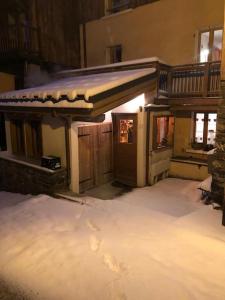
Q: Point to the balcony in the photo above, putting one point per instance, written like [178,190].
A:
[19,42]
[193,80]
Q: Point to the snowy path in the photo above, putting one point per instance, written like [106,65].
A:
[153,243]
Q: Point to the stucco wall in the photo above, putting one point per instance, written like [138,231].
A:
[188,171]
[183,139]
[7,82]
[182,136]
[167,29]
[53,138]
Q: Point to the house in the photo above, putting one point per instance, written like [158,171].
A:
[180,32]
[125,122]
[71,118]
[124,117]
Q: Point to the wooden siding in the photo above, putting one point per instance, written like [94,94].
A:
[48,29]
[95,155]
[92,10]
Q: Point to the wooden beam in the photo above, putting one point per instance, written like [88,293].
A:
[189,101]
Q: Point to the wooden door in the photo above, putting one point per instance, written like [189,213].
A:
[105,156]
[86,157]
[125,148]
[95,155]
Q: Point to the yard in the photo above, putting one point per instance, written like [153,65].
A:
[154,243]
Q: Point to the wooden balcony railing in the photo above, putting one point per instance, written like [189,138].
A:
[194,80]
[20,39]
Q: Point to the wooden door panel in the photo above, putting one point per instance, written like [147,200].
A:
[125,149]
[95,155]
[105,153]
[86,158]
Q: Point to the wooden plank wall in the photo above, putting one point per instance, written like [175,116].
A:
[92,10]
[95,155]
[58,23]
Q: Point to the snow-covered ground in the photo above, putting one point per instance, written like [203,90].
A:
[154,243]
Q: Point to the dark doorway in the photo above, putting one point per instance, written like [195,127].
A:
[2,133]
[125,148]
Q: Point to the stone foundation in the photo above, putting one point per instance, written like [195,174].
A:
[17,177]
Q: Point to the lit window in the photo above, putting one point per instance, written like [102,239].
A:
[163,131]
[211,45]
[205,128]
[126,131]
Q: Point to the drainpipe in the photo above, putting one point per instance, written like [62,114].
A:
[147,146]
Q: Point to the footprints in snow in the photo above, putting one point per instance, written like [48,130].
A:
[112,264]
[95,244]
[91,225]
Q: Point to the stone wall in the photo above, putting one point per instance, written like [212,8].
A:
[20,178]
[217,160]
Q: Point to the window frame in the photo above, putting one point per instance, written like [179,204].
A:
[205,128]
[114,9]
[211,40]
[111,55]
[155,132]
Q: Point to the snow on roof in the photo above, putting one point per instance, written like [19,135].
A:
[65,91]
[120,64]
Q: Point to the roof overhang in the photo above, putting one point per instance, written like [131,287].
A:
[102,100]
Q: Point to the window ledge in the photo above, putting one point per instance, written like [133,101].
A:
[166,148]
[189,161]
[23,161]
[125,11]
[198,151]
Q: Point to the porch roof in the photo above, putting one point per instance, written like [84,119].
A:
[75,91]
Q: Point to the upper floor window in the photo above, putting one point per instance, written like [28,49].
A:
[115,6]
[210,45]
[114,54]
[205,128]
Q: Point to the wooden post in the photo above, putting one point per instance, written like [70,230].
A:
[169,83]
[206,80]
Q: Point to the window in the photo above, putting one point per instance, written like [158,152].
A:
[26,138]
[205,128]
[163,132]
[114,54]
[126,131]
[115,6]
[210,45]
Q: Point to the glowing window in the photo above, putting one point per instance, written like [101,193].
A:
[204,47]
[199,132]
[205,128]
[211,45]
[126,131]
[163,132]
[211,135]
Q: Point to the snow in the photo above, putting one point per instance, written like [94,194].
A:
[119,64]
[205,185]
[156,243]
[85,85]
